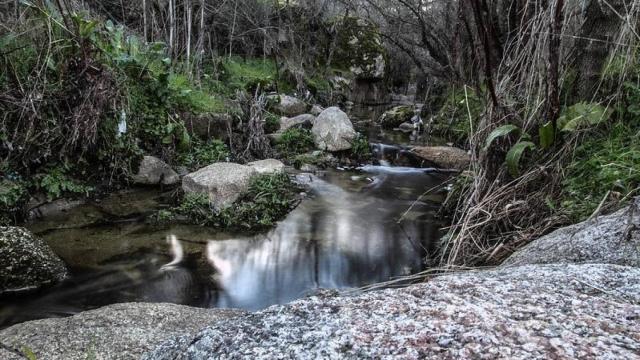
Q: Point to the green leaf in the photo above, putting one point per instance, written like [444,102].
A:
[547,135]
[185,141]
[515,154]
[583,115]
[503,130]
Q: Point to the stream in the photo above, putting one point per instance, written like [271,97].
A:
[355,227]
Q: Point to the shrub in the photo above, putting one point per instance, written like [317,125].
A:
[202,154]
[295,141]
[272,123]
[608,162]
[360,148]
[269,198]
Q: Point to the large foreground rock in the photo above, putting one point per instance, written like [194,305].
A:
[120,331]
[333,131]
[446,157]
[26,261]
[612,239]
[153,171]
[529,312]
[222,182]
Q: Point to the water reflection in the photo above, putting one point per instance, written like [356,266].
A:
[345,235]
[339,239]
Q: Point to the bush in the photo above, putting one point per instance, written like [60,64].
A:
[360,148]
[202,154]
[272,123]
[269,198]
[452,120]
[295,141]
[607,162]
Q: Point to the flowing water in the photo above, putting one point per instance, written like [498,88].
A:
[356,227]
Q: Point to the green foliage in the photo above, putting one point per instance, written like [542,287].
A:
[547,134]
[197,208]
[268,199]
[501,131]
[57,182]
[272,123]
[583,115]
[358,45]
[609,160]
[295,141]
[201,153]
[515,154]
[452,120]
[237,74]
[13,194]
[360,148]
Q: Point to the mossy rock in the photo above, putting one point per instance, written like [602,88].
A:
[26,261]
[394,117]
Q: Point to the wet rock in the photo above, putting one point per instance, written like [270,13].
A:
[444,156]
[59,207]
[120,331]
[611,239]
[394,117]
[268,166]
[153,171]
[26,261]
[406,127]
[222,182]
[536,311]
[304,121]
[333,130]
[288,105]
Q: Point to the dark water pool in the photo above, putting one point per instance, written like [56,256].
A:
[345,234]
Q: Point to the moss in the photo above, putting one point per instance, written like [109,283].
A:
[393,118]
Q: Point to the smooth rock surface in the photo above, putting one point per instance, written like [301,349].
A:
[304,121]
[222,182]
[445,157]
[120,331]
[26,261]
[611,239]
[529,312]
[333,131]
[288,105]
[153,171]
[268,166]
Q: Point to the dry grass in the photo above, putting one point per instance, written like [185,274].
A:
[497,213]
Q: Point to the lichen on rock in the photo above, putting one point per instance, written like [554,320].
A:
[539,311]
[26,261]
